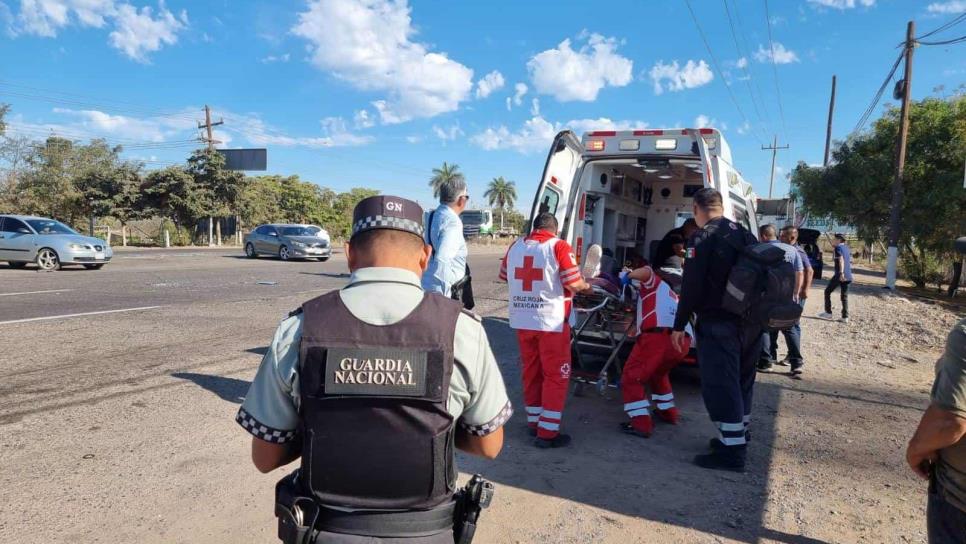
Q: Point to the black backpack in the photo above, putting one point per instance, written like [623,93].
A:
[761,285]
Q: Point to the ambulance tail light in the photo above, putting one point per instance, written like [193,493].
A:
[630,145]
[604,133]
[595,145]
[666,144]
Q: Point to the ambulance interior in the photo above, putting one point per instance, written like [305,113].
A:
[631,204]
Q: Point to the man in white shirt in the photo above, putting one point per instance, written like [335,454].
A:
[444,232]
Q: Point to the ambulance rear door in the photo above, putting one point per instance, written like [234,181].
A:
[707,159]
[557,191]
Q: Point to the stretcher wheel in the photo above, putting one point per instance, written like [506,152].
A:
[602,386]
[578,389]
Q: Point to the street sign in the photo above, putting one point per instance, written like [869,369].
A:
[245,159]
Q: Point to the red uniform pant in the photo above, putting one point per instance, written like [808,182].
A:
[648,365]
[546,376]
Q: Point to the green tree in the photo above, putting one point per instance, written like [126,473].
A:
[443,174]
[172,194]
[856,188]
[219,189]
[502,194]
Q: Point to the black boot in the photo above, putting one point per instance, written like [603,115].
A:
[730,458]
[559,441]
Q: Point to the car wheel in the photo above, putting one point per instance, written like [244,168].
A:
[97,266]
[283,253]
[16,264]
[250,251]
[47,259]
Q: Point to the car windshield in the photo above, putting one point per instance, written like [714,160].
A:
[49,226]
[298,231]
[473,218]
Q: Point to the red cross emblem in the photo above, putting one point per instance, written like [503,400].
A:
[528,273]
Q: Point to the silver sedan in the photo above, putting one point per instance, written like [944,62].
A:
[289,242]
[48,243]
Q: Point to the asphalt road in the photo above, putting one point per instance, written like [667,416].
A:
[118,390]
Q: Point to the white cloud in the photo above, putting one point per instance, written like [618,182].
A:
[367,43]
[703,121]
[138,32]
[414,139]
[744,128]
[537,133]
[520,91]
[509,103]
[693,74]
[841,4]
[489,83]
[950,6]
[570,75]
[276,58]
[334,133]
[780,55]
[121,127]
[362,119]
[535,107]
[447,134]
[742,62]
[135,32]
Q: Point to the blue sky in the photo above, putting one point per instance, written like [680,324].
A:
[376,93]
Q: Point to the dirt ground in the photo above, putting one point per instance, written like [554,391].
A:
[119,427]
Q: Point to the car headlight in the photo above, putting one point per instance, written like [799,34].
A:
[298,244]
[78,246]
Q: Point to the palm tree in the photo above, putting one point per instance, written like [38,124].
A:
[501,193]
[447,172]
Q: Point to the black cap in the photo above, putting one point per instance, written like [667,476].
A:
[387,212]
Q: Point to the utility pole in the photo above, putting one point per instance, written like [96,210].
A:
[893,254]
[774,147]
[211,141]
[828,132]
[207,125]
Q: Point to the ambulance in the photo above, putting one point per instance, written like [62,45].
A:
[624,190]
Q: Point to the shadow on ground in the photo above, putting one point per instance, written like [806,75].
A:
[227,389]
[651,479]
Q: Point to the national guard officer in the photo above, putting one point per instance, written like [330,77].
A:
[728,345]
[372,386]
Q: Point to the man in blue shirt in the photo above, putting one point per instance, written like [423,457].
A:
[769,341]
[841,279]
[444,232]
[793,335]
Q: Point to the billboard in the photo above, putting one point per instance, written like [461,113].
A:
[245,159]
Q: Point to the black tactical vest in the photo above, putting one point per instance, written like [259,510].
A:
[376,432]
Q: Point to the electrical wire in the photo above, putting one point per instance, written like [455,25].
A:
[717,68]
[774,66]
[50,95]
[878,96]
[744,67]
[953,41]
[955,21]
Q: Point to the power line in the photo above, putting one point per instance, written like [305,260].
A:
[77,134]
[747,50]
[50,95]
[744,66]
[960,39]
[717,68]
[774,67]
[955,21]
[878,96]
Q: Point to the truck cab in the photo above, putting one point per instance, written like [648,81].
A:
[626,189]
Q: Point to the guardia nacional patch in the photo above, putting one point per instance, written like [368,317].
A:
[689,254]
[375,372]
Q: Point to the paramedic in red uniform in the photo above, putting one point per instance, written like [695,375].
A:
[653,356]
[542,274]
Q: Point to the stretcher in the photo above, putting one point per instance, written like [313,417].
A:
[604,324]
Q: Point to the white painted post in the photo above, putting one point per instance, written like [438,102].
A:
[167,238]
[108,235]
[124,235]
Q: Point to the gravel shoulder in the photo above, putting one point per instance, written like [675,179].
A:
[120,428]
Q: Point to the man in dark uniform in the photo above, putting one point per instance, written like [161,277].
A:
[728,346]
[373,386]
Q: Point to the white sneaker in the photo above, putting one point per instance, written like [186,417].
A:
[825,315]
[844,320]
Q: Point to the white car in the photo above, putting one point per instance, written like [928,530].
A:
[48,243]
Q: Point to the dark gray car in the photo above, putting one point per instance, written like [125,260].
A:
[289,242]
